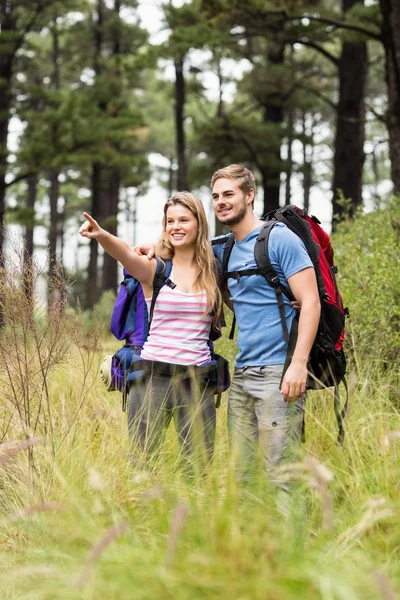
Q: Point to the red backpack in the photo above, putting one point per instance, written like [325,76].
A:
[327,365]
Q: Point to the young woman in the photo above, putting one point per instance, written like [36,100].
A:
[176,352]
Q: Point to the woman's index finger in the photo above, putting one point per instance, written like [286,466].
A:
[89,218]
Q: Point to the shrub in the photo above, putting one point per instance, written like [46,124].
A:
[366,251]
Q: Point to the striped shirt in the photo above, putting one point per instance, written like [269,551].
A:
[179,334]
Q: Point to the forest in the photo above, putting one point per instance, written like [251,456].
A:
[302,90]
[96,109]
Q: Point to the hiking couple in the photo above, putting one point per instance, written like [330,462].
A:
[262,405]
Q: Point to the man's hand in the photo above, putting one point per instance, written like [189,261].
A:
[296,305]
[90,228]
[294,381]
[148,250]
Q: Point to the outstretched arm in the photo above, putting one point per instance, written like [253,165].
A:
[138,266]
[304,287]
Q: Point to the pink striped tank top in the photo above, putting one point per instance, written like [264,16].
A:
[179,333]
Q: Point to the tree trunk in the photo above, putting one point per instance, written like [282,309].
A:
[92,283]
[54,173]
[92,291]
[112,177]
[28,242]
[273,114]
[391,40]
[308,152]
[289,161]
[350,127]
[7,54]
[180,124]
[307,183]
[53,196]
[110,265]
[30,204]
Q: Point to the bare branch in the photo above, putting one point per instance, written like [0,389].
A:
[337,24]
[320,49]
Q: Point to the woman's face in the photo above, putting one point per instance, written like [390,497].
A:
[181,226]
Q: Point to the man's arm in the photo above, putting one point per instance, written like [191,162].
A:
[304,287]
[148,250]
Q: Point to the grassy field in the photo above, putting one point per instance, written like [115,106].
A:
[84,523]
[79,521]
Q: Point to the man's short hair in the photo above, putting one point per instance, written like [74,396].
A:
[244,176]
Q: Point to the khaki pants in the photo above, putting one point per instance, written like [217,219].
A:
[257,413]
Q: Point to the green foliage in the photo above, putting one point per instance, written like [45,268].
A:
[367,252]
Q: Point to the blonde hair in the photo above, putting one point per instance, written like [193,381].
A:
[203,255]
[244,176]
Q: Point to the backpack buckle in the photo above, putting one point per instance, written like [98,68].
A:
[170,283]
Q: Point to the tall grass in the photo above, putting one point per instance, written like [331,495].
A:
[91,525]
[80,521]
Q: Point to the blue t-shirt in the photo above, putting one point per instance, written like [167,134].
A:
[260,336]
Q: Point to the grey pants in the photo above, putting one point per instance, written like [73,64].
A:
[156,399]
[258,413]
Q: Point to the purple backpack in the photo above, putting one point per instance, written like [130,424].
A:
[130,321]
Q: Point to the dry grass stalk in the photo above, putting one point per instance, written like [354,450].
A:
[31,346]
[35,341]
[320,477]
[154,493]
[31,510]
[317,477]
[391,435]
[383,586]
[101,412]
[177,522]
[375,511]
[11,448]
[99,547]
[352,383]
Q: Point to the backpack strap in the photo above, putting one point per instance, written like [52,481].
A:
[161,278]
[266,269]
[229,241]
[340,413]
[220,239]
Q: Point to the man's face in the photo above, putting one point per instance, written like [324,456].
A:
[230,203]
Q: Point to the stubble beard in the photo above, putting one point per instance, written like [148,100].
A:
[234,220]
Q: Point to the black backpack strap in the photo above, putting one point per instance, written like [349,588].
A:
[232,331]
[230,240]
[340,413]
[161,278]
[242,273]
[266,269]
[220,239]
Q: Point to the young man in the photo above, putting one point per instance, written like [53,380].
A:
[259,407]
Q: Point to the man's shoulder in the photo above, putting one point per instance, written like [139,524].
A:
[281,236]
